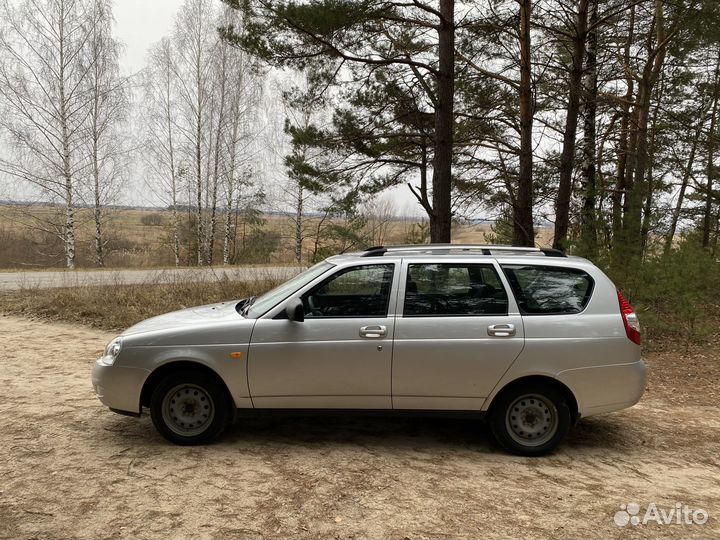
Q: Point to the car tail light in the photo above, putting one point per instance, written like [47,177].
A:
[630,319]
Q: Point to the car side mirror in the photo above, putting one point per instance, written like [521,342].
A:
[295,310]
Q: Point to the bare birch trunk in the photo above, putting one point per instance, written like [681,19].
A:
[217,156]
[227,237]
[299,225]
[67,158]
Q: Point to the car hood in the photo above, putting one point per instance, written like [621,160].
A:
[189,318]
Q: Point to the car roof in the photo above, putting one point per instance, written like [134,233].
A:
[455,252]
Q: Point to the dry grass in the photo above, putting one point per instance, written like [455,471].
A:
[119,306]
[140,238]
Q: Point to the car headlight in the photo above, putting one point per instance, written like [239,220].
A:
[112,351]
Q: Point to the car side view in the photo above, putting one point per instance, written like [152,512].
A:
[530,339]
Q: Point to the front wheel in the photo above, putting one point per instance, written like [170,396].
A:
[530,419]
[189,408]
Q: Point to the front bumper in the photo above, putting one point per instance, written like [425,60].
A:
[119,387]
[602,389]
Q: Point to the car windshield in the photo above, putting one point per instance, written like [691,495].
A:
[278,294]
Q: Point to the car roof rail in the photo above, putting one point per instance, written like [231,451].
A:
[553,252]
[462,249]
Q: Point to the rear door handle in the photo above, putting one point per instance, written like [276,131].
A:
[373,332]
[501,330]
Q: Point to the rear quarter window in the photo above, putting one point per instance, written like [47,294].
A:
[545,290]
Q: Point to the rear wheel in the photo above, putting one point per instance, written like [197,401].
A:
[530,419]
[189,408]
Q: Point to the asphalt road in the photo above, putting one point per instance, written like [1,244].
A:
[79,278]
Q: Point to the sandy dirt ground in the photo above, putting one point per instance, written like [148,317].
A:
[70,468]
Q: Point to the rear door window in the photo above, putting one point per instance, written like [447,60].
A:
[447,290]
[544,290]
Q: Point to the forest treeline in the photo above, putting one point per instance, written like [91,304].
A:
[597,116]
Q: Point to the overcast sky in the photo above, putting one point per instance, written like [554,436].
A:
[141,23]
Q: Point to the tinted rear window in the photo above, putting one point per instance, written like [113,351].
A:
[541,290]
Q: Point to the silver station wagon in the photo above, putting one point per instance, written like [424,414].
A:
[527,338]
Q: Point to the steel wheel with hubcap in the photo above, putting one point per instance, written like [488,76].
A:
[530,419]
[189,407]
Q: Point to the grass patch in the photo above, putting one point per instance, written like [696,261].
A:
[118,306]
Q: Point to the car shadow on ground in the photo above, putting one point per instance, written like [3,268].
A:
[607,432]
[385,431]
[389,431]
[364,430]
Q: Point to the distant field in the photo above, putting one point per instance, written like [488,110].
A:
[141,238]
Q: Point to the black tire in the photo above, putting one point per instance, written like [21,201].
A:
[544,422]
[200,402]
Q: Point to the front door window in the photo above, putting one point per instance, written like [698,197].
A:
[358,291]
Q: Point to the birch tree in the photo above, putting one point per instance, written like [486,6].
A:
[163,159]
[195,38]
[45,101]
[104,143]
[238,139]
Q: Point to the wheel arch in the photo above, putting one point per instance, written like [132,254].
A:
[540,379]
[162,371]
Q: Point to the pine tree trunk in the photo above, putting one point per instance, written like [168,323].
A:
[632,224]
[637,168]
[567,158]
[523,229]
[441,218]
[687,174]
[650,184]
[623,149]
[588,218]
[711,170]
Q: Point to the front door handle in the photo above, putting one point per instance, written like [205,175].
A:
[373,332]
[501,330]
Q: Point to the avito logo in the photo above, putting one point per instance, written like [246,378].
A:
[680,514]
